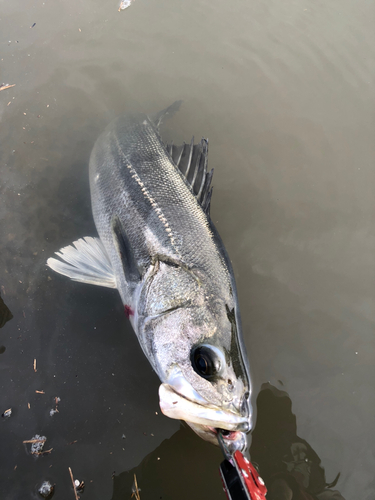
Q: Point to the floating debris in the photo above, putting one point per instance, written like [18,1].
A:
[35,365]
[55,410]
[37,445]
[7,413]
[40,392]
[124,4]
[46,490]
[79,485]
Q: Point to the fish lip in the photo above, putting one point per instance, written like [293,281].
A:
[182,387]
[225,419]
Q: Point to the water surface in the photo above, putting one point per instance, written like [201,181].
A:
[284,92]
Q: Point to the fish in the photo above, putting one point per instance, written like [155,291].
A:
[159,248]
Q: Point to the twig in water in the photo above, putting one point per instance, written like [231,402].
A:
[74,486]
[136,492]
[6,86]
[41,452]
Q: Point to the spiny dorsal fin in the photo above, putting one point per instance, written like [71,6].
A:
[192,160]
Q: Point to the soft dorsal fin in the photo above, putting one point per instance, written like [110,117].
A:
[192,160]
[165,113]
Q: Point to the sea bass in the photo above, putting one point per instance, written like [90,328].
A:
[158,246]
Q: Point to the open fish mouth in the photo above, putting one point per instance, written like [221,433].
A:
[233,440]
[212,418]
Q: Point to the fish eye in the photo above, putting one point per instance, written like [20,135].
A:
[206,361]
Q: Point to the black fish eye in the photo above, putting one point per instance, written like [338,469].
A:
[205,362]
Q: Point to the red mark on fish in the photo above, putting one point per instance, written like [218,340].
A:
[128,311]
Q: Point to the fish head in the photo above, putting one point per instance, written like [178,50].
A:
[198,357]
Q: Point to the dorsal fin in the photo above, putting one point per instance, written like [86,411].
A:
[166,113]
[191,160]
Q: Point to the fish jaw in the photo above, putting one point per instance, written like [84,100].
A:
[205,419]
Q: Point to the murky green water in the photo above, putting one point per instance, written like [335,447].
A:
[285,93]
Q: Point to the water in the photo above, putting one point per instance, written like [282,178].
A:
[284,92]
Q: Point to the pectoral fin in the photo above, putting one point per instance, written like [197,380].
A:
[86,261]
[124,248]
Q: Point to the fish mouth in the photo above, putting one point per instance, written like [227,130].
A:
[227,435]
[207,417]
[233,440]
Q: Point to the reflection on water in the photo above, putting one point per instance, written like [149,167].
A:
[288,464]
[183,467]
[290,467]
[5,314]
